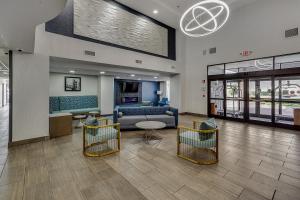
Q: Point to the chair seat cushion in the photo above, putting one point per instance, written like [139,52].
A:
[131,119]
[193,139]
[102,134]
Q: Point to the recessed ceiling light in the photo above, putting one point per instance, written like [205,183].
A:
[118,77]
[132,75]
[139,79]
[72,71]
[155,11]
[102,72]
[155,77]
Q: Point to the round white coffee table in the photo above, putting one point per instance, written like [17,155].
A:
[94,113]
[150,128]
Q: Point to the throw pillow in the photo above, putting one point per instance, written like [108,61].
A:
[91,121]
[120,114]
[169,113]
[207,125]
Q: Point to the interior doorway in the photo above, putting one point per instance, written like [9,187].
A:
[260,99]
[5,133]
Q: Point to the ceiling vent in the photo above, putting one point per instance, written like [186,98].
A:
[89,53]
[213,50]
[291,33]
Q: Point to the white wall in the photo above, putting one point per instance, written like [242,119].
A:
[258,27]
[162,88]
[106,95]
[177,92]
[30,96]
[89,85]
[18,32]
[66,47]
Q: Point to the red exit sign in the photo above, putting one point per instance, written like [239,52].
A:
[246,53]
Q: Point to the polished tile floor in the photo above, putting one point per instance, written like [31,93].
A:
[256,162]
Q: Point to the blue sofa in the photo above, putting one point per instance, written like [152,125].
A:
[73,104]
[133,115]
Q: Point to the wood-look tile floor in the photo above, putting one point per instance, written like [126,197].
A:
[256,162]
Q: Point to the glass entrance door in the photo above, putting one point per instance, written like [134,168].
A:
[287,100]
[216,98]
[235,98]
[260,99]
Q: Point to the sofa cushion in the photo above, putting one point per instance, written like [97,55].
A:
[169,120]
[54,104]
[78,102]
[132,111]
[156,110]
[131,119]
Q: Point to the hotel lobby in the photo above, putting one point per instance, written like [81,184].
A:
[149,100]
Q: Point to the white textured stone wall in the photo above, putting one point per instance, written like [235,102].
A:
[103,21]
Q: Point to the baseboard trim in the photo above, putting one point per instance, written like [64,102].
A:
[28,141]
[193,114]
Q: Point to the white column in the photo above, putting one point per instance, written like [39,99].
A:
[176,85]
[30,96]
[107,95]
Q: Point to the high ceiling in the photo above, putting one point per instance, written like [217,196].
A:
[170,11]
[18,20]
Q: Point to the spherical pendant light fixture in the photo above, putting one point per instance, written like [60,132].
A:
[204,18]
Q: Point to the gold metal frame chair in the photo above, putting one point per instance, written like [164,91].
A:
[198,146]
[101,140]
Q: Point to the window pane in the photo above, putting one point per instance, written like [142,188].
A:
[287,88]
[252,89]
[216,70]
[216,107]
[260,89]
[260,111]
[216,89]
[235,109]
[285,62]
[235,89]
[249,66]
[284,112]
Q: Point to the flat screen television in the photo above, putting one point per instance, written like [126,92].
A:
[130,87]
